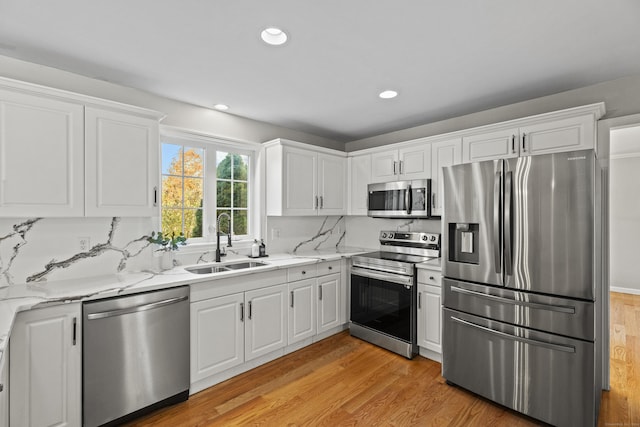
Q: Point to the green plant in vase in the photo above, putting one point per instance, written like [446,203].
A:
[167,243]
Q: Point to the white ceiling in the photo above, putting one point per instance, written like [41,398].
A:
[446,58]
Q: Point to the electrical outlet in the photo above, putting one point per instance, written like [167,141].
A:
[275,233]
[84,243]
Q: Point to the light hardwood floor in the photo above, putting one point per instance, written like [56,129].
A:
[342,381]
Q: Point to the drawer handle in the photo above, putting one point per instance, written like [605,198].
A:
[538,306]
[551,346]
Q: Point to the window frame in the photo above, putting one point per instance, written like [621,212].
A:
[211,146]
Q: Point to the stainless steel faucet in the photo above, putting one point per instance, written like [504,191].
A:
[218,254]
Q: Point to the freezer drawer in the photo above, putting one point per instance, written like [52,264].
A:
[557,315]
[545,376]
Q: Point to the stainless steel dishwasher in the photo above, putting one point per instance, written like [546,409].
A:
[135,355]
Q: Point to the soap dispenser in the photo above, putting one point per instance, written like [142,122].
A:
[263,248]
[255,249]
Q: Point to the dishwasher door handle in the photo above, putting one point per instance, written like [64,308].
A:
[135,309]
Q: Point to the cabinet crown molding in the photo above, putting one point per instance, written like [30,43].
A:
[86,100]
[597,110]
[304,146]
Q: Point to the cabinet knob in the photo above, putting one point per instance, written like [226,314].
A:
[432,278]
[304,272]
[330,268]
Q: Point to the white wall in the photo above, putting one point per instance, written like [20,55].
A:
[620,97]
[625,210]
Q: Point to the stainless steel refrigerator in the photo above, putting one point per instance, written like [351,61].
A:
[521,265]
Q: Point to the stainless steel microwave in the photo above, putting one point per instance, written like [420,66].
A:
[400,199]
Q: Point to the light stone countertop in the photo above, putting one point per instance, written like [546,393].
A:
[21,297]
[432,264]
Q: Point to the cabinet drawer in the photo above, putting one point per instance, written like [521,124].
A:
[329,267]
[429,277]
[302,272]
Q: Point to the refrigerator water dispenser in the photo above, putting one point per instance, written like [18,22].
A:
[463,242]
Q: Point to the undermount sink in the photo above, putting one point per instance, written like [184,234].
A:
[245,264]
[209,269]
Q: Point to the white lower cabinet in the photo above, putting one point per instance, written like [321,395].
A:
[302,310]
[266,323]
[45,372]
[429,323]
[217,335]
[430,313]
[328,302]
[229,330]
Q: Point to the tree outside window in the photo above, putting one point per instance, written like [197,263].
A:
[182,190]
[232,174]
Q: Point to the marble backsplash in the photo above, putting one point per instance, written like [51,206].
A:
[45,249]
[48,249]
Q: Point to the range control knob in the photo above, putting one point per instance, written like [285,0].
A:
[391,235]
[384,235]
[424,237]
[433,238]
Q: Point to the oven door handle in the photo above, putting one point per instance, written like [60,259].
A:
[379,275]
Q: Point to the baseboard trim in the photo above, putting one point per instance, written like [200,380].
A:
[625,290]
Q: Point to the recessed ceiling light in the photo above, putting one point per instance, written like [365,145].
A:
[221,107]
[274,36]
[388,94]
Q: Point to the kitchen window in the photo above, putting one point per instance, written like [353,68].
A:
[201,179]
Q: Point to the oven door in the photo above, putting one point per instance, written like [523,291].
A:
[384,303]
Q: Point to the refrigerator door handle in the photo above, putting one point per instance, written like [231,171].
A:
[508,243]
[557,347]
[536,305]
[497,197]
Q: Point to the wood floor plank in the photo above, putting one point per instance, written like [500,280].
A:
[343,381]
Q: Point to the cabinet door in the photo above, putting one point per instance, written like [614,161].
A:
[415,162]
[4,389]
[266,321]
[429,315]
[384,166]
[41,156]
[302,310]
[217,335]
[443,153]
[360,177]
[501,144]
[45,372]
[328,302]
[332,188]
[122,164]
[300,182]
[575,133]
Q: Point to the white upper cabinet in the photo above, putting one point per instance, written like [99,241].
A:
[41,156]
[568,130]
[576,133]
[360,177]
[407,163]
[501,144]
[122,172]
[444,153]
[384,166]
[332,188]
[65,154]
[301,181]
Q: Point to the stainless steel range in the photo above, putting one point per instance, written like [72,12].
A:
[383,290]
